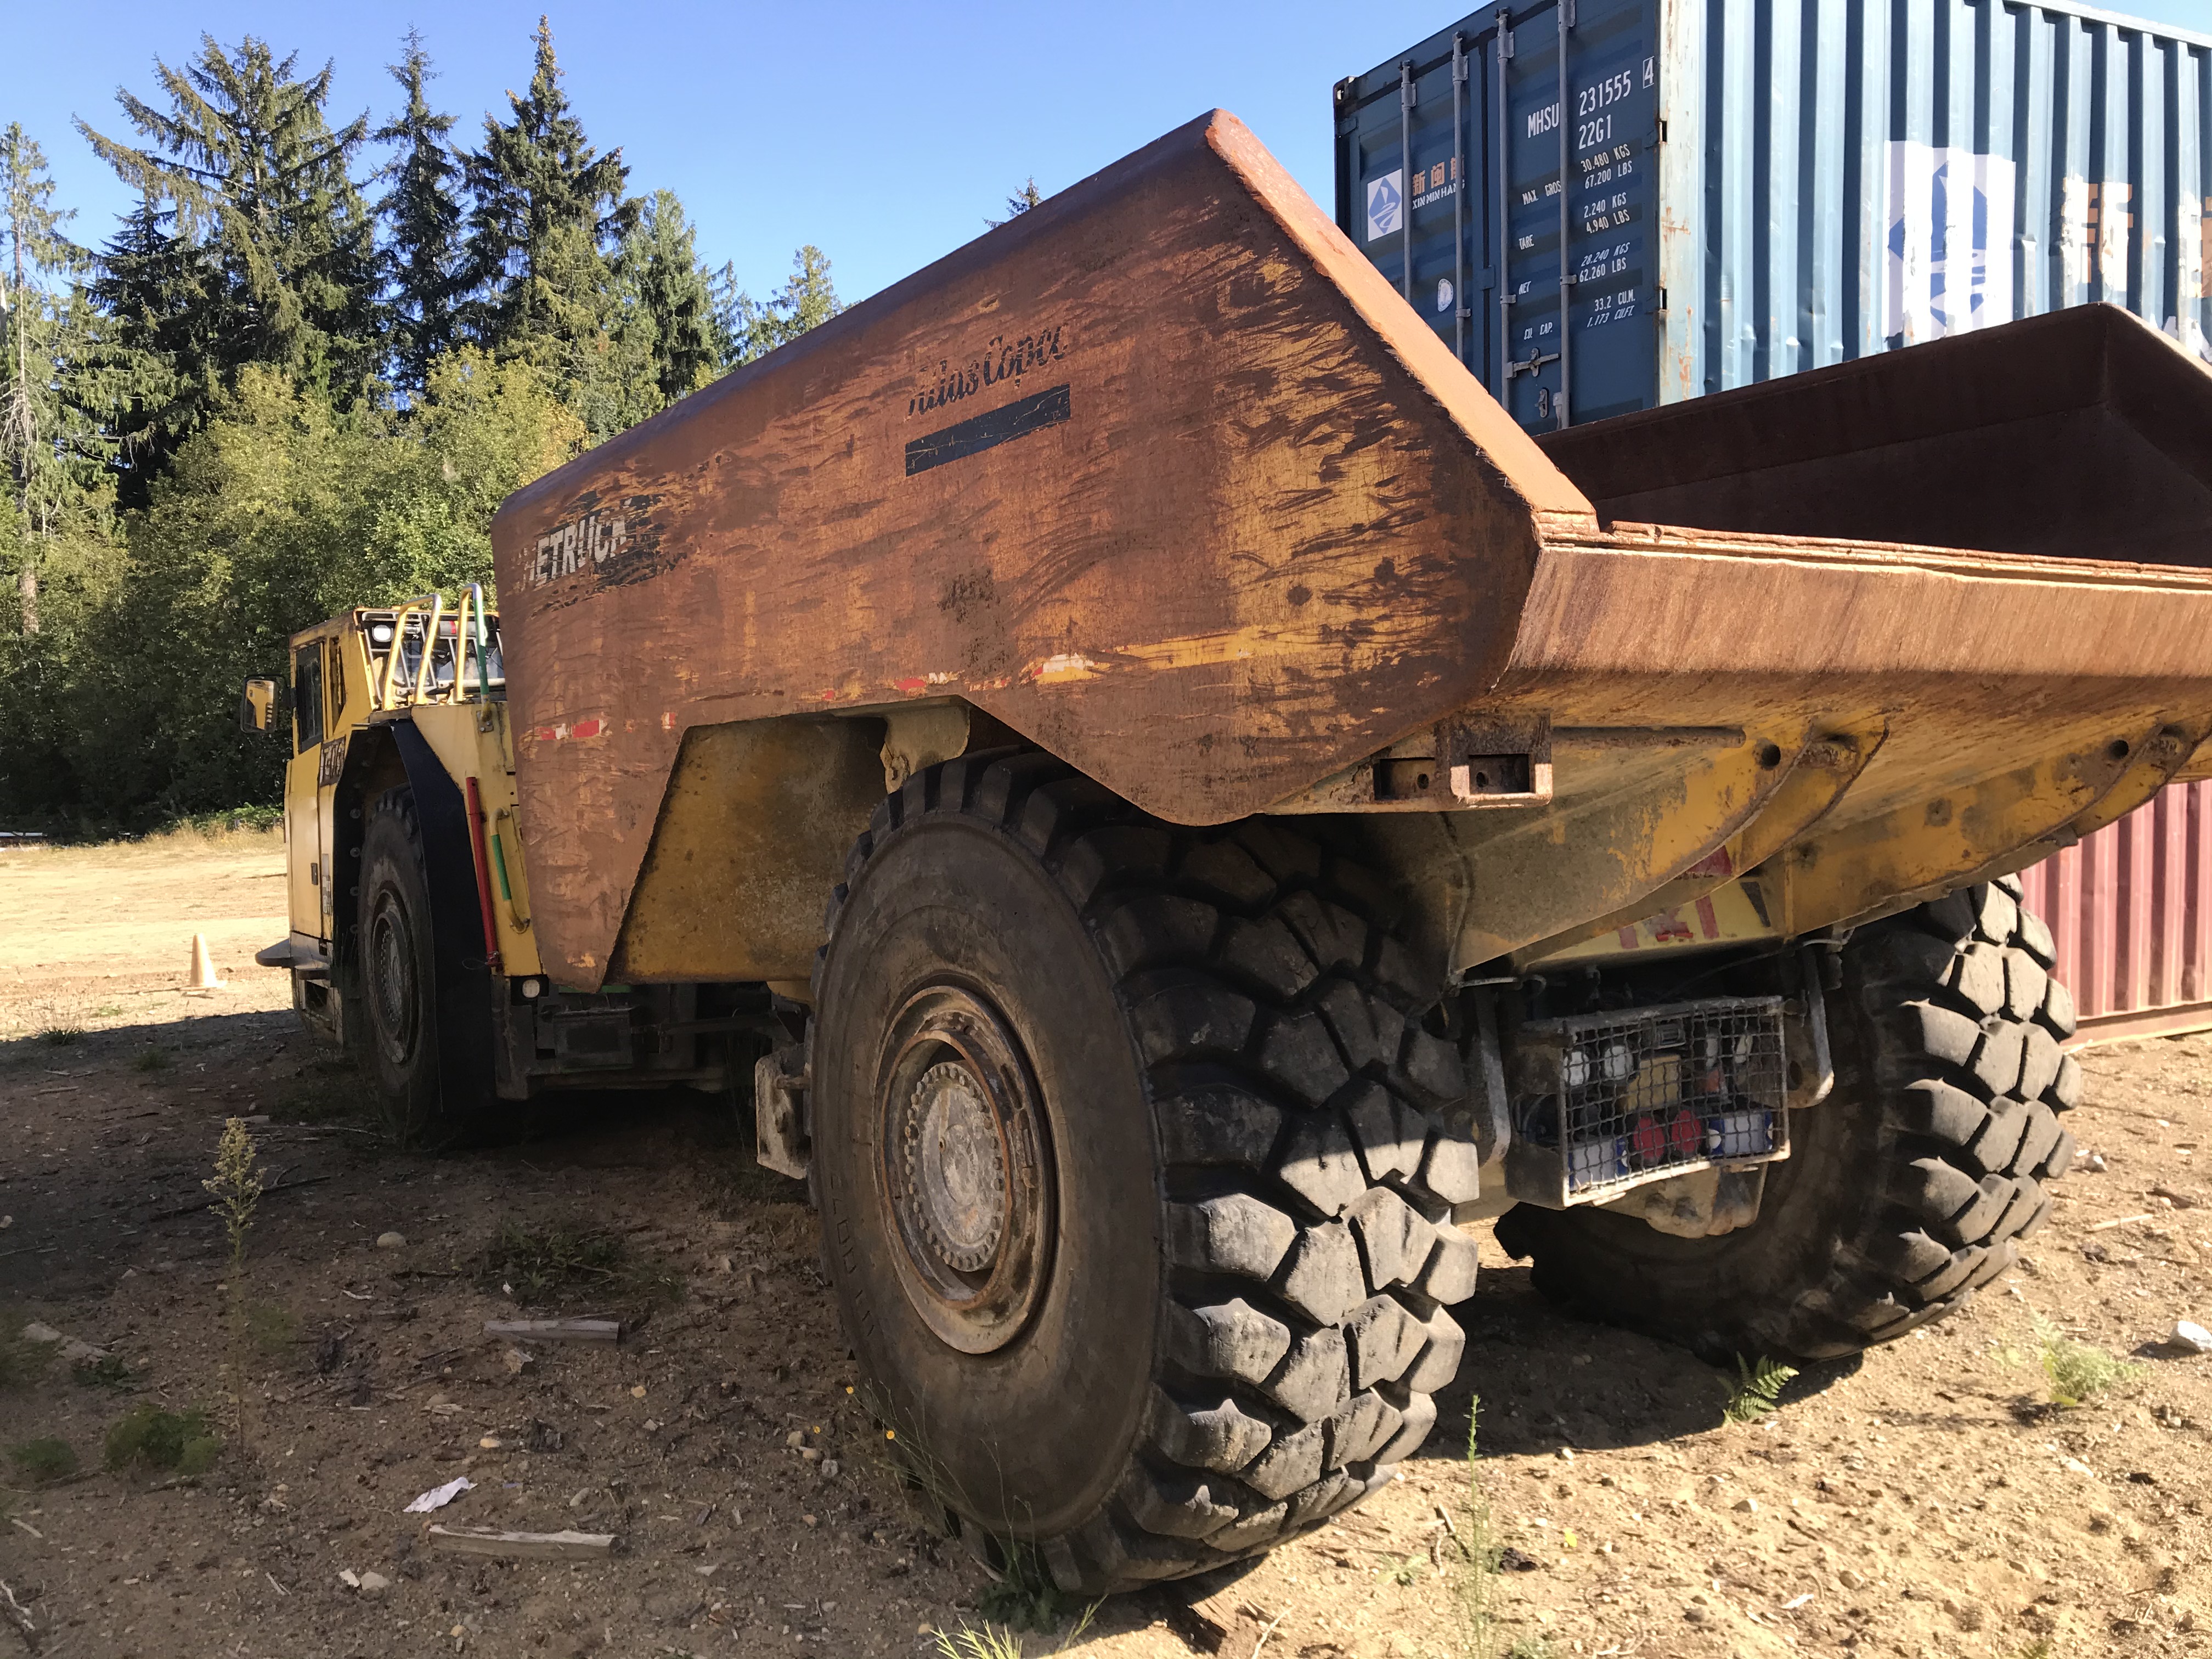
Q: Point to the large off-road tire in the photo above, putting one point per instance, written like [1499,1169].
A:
[399,979]
[1134,1172]
[1903,1191]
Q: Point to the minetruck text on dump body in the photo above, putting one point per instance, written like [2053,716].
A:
[1163,802]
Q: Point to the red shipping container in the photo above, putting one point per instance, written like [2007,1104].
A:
[2131,910]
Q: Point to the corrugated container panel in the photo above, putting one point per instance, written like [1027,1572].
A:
[1753,187]
[1716,192]
[2130,910]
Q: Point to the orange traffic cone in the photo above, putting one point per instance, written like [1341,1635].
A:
[203,977]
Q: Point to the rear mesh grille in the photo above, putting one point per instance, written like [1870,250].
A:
[1605,1101]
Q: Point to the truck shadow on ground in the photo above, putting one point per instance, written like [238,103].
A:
[233,1037]
[1546,1380]
[112,1182]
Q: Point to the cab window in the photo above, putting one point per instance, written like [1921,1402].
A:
[336,671]
[307,697]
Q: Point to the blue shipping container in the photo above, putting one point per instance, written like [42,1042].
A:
[1603,205]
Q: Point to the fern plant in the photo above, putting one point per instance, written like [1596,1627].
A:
[1757,1388]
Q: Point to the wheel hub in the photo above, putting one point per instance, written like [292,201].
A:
[390,975]
[964,1170]
[954,1170]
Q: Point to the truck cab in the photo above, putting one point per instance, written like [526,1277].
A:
[410,942]
[355,682]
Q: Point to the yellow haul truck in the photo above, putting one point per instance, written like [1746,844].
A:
[1174,803]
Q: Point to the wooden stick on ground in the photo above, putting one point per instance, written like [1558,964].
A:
[531,1546]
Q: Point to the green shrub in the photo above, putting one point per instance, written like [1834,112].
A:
[39,1463]
[180,1442]
[108,1372]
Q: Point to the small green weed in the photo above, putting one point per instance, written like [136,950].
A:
[1023,1595]
[181,1442]
[538,1263]
[108,1012]
[2078,1371]
[61,1036]
[1477,1577]
[1532,1647]
[151,1060]
[108,1372]
[1757,1388]
[42,1461]
[548,1261]
[1405,1570]
[236,1187]
[2039,1649]
[969,1643]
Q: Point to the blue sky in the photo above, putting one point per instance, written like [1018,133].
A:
[882,133]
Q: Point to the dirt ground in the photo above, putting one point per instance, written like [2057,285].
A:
[1926,1500]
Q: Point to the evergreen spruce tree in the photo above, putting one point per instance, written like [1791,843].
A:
[151,368]
[747,328]
[674,292]
[50,453]
[609,375]
[422,217]
[547,211]
[1019,204]
[260,184]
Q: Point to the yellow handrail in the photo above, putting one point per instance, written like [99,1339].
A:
[393,691]
[391,653]
[430,649]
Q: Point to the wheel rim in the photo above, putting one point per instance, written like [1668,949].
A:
[393,981]
[962,1171]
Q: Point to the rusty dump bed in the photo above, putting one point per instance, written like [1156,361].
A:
[1166,478]
[2081,433]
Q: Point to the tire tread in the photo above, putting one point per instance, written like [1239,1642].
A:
[1301,1112]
